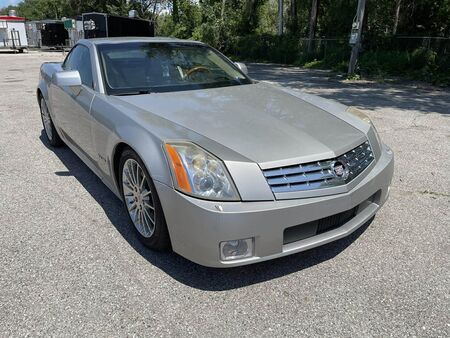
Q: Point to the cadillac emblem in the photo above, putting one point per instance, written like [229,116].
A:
[339,169]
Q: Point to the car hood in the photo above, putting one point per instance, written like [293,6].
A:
[265,124]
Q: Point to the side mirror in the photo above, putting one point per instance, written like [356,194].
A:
[69,78]
[242,67]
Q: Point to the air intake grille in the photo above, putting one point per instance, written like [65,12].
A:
[321,174]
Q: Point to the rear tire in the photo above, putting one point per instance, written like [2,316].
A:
[49,128]
[141,202]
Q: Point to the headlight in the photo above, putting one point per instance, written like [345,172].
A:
[359,114]
[199,173]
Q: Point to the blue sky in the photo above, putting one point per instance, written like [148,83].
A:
[6,3]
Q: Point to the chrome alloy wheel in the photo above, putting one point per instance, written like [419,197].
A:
[46,120]
[138,197]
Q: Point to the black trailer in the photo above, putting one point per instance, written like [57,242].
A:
[53,34]
[100,25]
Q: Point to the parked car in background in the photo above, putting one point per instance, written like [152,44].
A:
[225,170]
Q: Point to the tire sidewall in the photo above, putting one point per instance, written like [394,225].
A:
[55,141]
[50,140]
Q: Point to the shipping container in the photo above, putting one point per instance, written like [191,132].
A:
[100,25]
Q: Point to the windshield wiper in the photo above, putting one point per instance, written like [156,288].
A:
[137,92]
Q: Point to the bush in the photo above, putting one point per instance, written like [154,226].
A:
[390,62]
[420,64]
[421,58]
[266,47]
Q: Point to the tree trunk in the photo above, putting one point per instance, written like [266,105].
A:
[175,15]
[222,12]
[397,16]
[312,25]
[294,19]
[280,17]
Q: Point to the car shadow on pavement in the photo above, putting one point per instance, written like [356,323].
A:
[179,268]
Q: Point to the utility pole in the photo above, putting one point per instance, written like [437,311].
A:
[280,17]
[355,37]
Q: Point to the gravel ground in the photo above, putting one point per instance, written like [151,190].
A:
[69,264]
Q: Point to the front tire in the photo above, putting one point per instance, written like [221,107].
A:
[49,128]
[142,202]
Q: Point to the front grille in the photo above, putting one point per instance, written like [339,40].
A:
[306,230]
[321,174]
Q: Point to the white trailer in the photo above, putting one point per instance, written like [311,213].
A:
[12,33]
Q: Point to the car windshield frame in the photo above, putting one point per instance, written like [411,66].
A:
[171,87]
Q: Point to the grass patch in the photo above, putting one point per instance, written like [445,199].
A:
[315,64]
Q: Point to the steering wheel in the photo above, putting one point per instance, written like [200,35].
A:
[197,69]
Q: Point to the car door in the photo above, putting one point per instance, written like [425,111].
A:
[73,104]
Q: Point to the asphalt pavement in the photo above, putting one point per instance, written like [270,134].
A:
[70,264]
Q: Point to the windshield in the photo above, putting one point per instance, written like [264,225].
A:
[145,67]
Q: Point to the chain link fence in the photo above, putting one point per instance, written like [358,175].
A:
[419,57]
[322,47]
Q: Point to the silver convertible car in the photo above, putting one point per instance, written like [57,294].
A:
[224,170]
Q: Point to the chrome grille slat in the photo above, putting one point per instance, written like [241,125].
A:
[297,169]
[292,179]
[316,175]
[356,163]
[356,155]
[303,186]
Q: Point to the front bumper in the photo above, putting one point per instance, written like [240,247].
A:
[196,227]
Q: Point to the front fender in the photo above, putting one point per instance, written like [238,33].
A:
[149,148]
[114,126]
[45,78]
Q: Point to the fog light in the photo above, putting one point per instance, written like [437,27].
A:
[237,249]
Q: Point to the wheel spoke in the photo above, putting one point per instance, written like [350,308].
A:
[131,175]
[137,175]
[148,215]
[148,224]
[127,188]
[145,226]
[134,173]
[127,172]
[146,193]
[141,185]
[139,220]
[127,179]
[149,206]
